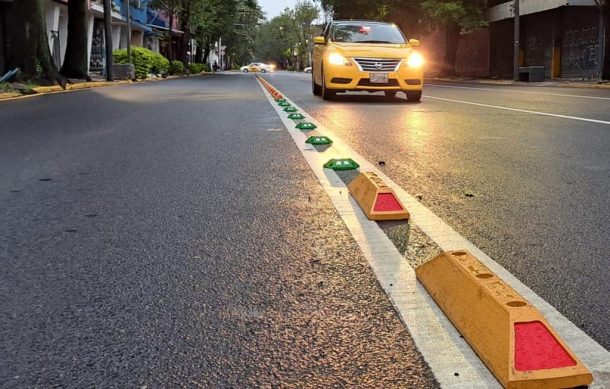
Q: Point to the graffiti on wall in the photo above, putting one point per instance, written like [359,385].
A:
[580,49]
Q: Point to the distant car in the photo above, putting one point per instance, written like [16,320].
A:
[256,67]
[359,55]
[307,69]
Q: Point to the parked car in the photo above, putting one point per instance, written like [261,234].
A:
[307,69]
[360,55]
[257,67]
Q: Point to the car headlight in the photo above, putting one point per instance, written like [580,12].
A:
[338,59]
[415,60]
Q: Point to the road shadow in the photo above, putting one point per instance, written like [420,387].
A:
[372,98]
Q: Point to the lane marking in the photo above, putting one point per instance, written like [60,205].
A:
[520,110]
[517,91]
[434,335]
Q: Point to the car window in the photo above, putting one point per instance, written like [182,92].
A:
[363,32]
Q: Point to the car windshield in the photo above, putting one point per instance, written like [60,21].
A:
[362,32]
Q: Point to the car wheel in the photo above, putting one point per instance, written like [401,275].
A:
[263,71]
[245,70]
[414,96]
[326,94]
[315,88]
[390,94]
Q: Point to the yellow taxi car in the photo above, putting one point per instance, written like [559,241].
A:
[359,55]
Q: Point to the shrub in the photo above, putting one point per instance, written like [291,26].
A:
[196,68]
[177,67]
[144,61]
[160,64]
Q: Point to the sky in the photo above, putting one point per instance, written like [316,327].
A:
[275,7]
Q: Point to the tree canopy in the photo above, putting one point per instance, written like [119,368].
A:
[287,38]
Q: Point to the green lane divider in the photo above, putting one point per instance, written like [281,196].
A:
[283,104]
[296,116]
[279,101]
[290,109]
[319,140]
[341,164]
[306,126]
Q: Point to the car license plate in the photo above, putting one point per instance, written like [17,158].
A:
[379,78]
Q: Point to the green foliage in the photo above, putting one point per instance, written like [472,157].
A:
[144,61]
[468,14]
[289,36]
[196,68]
[177,67]
[160,64]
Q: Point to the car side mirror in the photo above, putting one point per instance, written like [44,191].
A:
[319,40]
[414,42]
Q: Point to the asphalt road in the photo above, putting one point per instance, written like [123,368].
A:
[529,189]
[158,235]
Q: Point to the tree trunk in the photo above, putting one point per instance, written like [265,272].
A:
[32,55]
[170,54]
[4,7]
[199,52]
[206,51]
[452,39]
[75,63]
[186,37]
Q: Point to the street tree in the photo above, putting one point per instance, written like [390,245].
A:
[456,17]
[28,43]
[303,16]
[75,62]
[246,26]
[213,19]
[276,39]
[171,9]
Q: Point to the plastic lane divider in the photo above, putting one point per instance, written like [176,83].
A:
[510,336]
[377,200]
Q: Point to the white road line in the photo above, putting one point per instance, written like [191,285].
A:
[437,340]
[521,91]
[520,110]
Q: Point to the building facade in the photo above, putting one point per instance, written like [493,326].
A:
[568,38]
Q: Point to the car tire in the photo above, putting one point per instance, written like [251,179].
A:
[326,94]
[315,88]
[245,71]
[414,97]
[390,94]
[263,71]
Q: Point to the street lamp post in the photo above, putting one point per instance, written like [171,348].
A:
[108,38]
[516,43]
[129,31]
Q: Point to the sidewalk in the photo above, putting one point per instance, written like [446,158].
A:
[564,83]
[75,84]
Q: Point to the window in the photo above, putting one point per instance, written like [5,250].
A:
[366,32]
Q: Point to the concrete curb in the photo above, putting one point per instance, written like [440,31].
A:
[42,90]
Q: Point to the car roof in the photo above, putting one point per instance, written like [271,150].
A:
[360,20]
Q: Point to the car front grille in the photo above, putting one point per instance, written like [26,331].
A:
[378,64]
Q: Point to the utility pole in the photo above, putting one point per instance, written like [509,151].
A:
[516,43]
[108,38]
[129,31]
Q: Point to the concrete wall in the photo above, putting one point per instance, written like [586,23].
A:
[564,40]
[580,46]
[473,53]
[501,49]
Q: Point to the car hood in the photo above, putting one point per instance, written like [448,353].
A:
[372,50]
